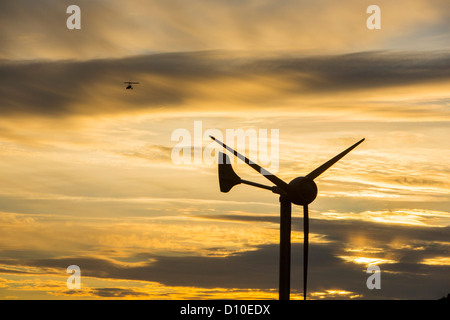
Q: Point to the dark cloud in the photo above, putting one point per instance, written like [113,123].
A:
[3,270]
[64,88]
[339,230]
[116,293]
[365,70]
[110,292]
[406,277]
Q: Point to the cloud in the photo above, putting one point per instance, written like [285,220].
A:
[152,153]
[368,70]
[113,29]
[206,80]
[117,293]
[403,254]
[337,230]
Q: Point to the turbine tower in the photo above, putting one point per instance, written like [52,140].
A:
[300,191]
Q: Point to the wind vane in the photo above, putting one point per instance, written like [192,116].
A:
[300,191]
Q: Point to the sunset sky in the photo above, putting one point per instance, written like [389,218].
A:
[87,177]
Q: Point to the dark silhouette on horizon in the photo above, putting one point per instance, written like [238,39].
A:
[300,191]
[445,298]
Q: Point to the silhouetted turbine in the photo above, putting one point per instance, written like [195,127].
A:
[300,191]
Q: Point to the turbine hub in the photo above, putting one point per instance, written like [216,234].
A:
[302,191]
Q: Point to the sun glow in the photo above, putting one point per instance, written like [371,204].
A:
[366,260]
[438,261]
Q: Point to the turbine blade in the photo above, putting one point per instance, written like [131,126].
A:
[271,177]
[305,248]
[317,172]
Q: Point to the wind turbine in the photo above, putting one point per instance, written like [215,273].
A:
[300,191]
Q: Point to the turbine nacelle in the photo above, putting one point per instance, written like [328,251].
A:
[302,191]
